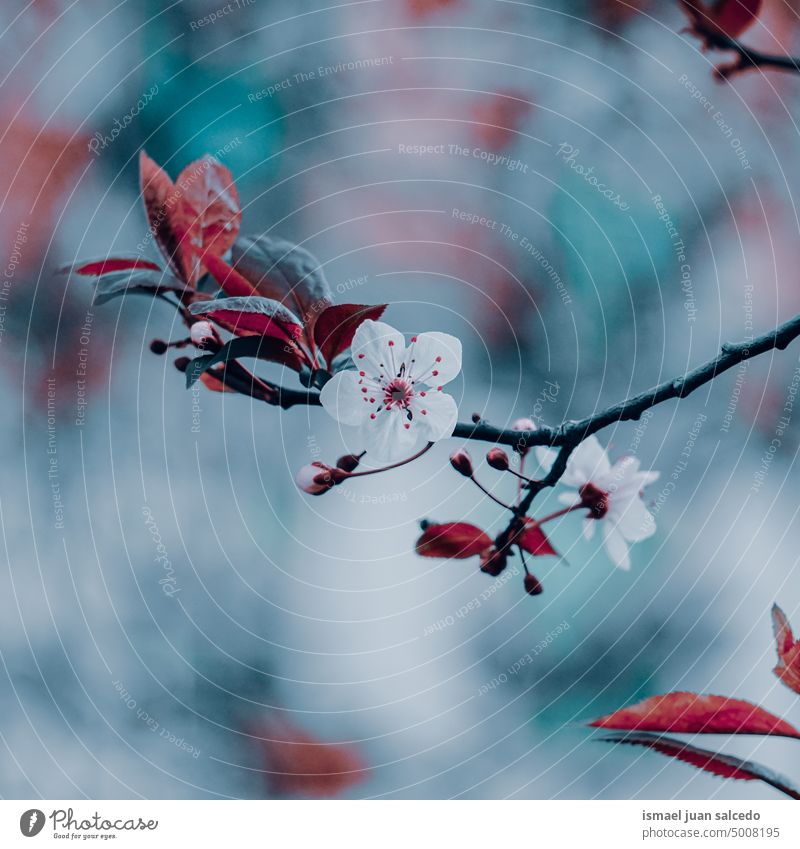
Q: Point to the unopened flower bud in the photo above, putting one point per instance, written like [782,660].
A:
[533,585]
[462,463]
[498,459]
[182,363]
[476,418]
[202,332]
[348,463]
[315,478]
[158,346]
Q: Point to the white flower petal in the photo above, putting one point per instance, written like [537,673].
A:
[589,526]
[569,499]
[588,462]
[378,349]
[616,546]
[635,521]
[386,438]
[343,399]
[434,358]
[626,478]
[435,414]
[646,478]
[546,457]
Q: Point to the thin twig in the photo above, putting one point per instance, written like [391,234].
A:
[747,58]
[570,434]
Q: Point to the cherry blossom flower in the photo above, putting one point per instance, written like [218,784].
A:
[611,494]
[394,395]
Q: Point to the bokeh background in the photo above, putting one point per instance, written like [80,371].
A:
[176,618]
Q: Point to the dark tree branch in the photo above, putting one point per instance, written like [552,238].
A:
[746,57]
[570,434]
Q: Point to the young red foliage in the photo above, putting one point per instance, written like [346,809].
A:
[724,766]
[211,211]
[285,272]
[533,540]
[691,713]
[105,266]
[160,200]
[232,283]
[788,668]
[251,324]
[336,326]
[725,17]
[212,380]
[194,219]
[458,540]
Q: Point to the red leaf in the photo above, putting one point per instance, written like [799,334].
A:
[724,17]
[534,541]
[279,269]
[251,314]
[453,539]
[162,204]
[336,326]
[296,763]
[229,278]
[94,268]
[213,380]
[725,766]
[691,713]
[733,17]
[788,668]
[211,213]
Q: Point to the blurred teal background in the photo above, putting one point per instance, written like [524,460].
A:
[316,612]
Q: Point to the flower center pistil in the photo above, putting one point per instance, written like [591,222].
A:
[397,393]
[594,499]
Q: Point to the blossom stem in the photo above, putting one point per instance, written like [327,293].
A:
[486,492]
[524,479]
[524,560]
[520,477]
[559,513]
[392,466]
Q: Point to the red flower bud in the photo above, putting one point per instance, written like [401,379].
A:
[498,459]
[348,463]
[316,478]
[462,463]
[533,585]
[158,346]
[182,363]
[203,332]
